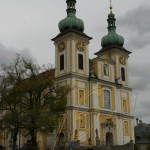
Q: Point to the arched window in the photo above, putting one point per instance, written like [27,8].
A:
[80,61]
[107,99]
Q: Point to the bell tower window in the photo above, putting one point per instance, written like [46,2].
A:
[62,62]
[80,61]
[123,74]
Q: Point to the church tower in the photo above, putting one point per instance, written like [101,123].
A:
[111,69]
[72,68]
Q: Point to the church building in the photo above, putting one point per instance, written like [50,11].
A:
[99,100]
[98,105]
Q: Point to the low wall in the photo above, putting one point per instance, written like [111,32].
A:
[129,146]
[91,148]
[119,147]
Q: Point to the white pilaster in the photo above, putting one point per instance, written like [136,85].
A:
[68,56]
[73,56]
[87,60]
[56,65]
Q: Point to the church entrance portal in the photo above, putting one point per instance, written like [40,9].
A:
[109,138]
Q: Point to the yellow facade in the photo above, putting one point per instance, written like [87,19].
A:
[98,101]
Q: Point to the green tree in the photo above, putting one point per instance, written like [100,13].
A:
[30,97]
[9,106]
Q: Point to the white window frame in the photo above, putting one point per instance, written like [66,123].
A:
[122,66]
[62,53]
[124,126]
[80,89]
[107,89]
[84,120]
[125,99]
[82,53]
[106,75]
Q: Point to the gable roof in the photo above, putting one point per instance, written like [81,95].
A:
[49,73]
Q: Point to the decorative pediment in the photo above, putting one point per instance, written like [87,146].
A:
[106,59]
[108,124]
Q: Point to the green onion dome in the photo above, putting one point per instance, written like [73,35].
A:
[112,38]
[71,21]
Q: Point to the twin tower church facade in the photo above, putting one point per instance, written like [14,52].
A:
[99,102]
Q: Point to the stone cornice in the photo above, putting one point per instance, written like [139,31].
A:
[101,111]
[93,79]
[72,75]
[69,33]
[114,48]
[118,86]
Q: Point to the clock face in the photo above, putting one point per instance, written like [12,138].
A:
[61,46]
[123,60]
[81,46]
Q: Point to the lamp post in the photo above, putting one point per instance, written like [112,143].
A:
[19,137]
[11,137]
[19,123]
[10,144]
[4,136]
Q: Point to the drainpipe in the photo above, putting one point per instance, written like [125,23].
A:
[90,107]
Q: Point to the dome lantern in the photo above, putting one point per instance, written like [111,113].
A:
[112,38]
[71,21]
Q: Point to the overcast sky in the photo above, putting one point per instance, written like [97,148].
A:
[27,27]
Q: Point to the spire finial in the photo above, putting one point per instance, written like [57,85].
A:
[71,7]
[110,6]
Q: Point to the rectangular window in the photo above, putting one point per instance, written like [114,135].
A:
[124,105]
[126,127]
[123,74]
[106,99]
[106,70]
[82,121]
[80,61]
[62,62]
[81,97]
[11,133]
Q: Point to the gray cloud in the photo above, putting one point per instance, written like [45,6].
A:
[139,77]
[139,80]
[141,106]
[135,25]
[8,54]
[137,19]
